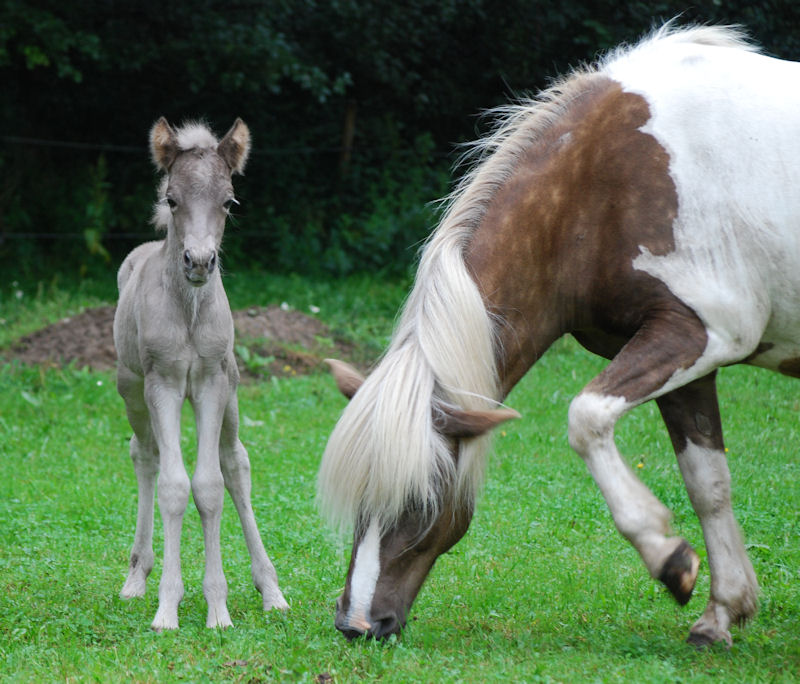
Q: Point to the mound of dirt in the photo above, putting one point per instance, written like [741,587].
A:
[269,341]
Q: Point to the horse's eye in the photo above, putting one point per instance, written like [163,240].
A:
[228,203]
[171,203]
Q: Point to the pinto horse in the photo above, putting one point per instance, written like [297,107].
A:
[173,331]
[647,205]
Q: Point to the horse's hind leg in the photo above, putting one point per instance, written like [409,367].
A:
[236,471]
[145,463]
[656,355]
[691,414]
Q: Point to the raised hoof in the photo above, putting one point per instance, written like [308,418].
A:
[680,572]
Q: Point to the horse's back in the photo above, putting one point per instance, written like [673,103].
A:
[729,119]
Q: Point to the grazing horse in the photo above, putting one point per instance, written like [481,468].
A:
[173,331]
[649,206]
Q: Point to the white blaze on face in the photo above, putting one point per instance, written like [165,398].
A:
[364,578]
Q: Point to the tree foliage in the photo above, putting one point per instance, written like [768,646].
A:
[355,107]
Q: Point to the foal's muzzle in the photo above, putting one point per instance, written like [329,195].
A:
[198,268]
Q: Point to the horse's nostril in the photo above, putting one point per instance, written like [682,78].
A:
[187,259]
[212,262]
[381,629]
[349,632]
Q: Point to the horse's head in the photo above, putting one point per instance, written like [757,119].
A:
[196,193]
[392,557]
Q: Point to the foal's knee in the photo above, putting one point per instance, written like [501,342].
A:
[208,492]
[173,493]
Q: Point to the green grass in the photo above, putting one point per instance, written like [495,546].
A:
[542,588]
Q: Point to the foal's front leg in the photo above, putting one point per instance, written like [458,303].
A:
[209,398]
[164,398]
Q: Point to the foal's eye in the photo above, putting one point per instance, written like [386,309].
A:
[171,203]
[228,203]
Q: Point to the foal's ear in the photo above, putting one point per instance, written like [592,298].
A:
[163,144]
[459,423]
[235,146]
[348,379]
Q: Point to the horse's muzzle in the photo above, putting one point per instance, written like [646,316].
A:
[376,629]
[198,270]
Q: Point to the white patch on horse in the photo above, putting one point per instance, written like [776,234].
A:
[729,125]
[365,578]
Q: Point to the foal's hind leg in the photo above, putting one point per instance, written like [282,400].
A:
[691,414]
[236,471]
[145,463]
[655,357]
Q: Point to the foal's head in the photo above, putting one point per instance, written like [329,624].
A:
[393,553]
[196,193]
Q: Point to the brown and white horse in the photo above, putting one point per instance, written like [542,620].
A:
[649,206]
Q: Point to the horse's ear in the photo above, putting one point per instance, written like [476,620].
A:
[459,423]
[348,379]
[235,146]
[163,144]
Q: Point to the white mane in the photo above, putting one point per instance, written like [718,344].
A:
[384,452]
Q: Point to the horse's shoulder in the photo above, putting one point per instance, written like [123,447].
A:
[134,261]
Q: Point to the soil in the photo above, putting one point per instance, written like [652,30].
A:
[269,341]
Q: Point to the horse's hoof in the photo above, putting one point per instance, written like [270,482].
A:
[680,572]
[704,639]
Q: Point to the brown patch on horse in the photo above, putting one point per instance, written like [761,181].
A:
[762,348]
[691,414]
[790,367]
[582,203]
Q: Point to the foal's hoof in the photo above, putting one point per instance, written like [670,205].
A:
[680,572]
[274,602]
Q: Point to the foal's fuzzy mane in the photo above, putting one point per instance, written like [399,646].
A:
[192,135]
[384,452]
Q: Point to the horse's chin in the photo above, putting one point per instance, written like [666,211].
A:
[196,280]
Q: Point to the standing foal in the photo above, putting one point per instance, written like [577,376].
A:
[173,331]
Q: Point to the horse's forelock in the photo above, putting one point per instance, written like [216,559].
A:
[195,135]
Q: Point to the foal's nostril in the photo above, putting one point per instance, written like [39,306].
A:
[187,259]
[212,262]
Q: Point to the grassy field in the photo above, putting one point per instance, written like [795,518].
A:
[541,589]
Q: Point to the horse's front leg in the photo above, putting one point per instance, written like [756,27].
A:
[209,396]
[692,417]
[164,398]
[236,471]
[656,356]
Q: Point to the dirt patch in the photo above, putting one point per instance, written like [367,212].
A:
[269,341]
